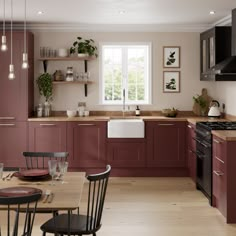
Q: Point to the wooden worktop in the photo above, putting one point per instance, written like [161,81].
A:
[227,135]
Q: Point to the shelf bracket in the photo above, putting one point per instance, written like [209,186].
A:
[45,65]
[85,90]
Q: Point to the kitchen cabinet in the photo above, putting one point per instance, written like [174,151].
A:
[191,150]
[166,144]
[126,152]
[17,96]
[215,46]
[84,59]
[87,144]
[47,137]
[13,141]
[223,175]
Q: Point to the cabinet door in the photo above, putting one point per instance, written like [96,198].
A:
[169,144]
[126,153]
[16,95]
[47,137]
[13,141]
[86,143]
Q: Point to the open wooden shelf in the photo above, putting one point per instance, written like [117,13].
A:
[67,58]
[72,82]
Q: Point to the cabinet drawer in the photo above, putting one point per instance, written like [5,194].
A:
[218,149]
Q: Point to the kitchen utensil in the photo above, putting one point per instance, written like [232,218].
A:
[50,198]
[10,176]
[214,109]
[47,194]
[3,178]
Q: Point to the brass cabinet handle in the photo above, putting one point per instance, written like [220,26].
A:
[7,124]
[217,158]
[216,141]
[47,124]
[7,118]
[86,124]
[218,173]
[190,127]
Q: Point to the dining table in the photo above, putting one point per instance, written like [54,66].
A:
[63,194]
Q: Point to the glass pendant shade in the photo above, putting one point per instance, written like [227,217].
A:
[11,75]
[4,43]
[25,64]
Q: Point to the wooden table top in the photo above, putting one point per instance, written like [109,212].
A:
[67,195]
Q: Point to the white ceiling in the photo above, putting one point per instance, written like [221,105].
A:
[104,13]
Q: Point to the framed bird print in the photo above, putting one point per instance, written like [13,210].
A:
[171,57]
[171,82]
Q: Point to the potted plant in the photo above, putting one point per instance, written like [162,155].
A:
[202,103]
[44,83]
[84,47]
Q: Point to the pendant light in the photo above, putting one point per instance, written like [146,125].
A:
[11,75]
[4,38]
[25,64]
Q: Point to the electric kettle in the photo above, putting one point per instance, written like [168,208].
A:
[214,110]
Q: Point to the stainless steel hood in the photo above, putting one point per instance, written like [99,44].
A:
[226,70]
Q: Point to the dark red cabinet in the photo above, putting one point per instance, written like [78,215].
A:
[86,144]
[17,96]
[47,137]
[191,150]
[126,153]
[13,141]
[166,143]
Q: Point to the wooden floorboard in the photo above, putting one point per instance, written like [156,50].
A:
[156,206]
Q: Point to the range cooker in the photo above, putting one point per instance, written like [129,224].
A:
[204,154]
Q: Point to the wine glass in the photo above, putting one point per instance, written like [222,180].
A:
[52,167]
[62,165]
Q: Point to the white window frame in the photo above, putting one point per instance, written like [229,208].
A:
[149,76]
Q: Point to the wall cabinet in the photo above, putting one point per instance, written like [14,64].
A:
[166,144]
[17,96]
[215,46]
[191,151]
[13,141]
[47,137]
[126,153]
[86,144]
[223,175]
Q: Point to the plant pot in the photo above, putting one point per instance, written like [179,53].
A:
[82,55]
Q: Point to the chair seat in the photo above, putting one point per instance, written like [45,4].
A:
[77,226]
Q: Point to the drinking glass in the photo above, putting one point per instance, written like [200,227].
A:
[62,165]
[1,170]
[52,167]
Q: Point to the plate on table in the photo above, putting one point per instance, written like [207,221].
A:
[33,174]
[18,191]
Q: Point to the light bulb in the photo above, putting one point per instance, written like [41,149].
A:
[25,64]
[11,75]
[4,43]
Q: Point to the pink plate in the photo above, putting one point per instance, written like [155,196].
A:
[33,172]
[18,191]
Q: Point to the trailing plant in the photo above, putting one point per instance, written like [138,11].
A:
[44,83]
[84,46]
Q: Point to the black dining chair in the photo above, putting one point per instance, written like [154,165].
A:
[89,223]
[39,160]
[15,211]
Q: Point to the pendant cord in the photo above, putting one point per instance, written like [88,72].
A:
[4,18]
[25,30]
[11,29]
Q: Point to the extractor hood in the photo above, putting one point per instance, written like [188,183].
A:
[226,70]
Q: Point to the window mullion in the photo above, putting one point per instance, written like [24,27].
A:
[125,70]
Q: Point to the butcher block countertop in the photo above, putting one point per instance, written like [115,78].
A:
[227,135]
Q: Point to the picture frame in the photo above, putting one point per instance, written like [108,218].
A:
[171,81]
[171,57]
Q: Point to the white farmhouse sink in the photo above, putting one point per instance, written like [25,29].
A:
[125,128]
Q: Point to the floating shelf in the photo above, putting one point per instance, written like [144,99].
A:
[72,82]
[67,58]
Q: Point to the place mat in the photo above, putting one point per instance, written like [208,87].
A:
[18,191]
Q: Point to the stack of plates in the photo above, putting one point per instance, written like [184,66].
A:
[18,191]
[33,174]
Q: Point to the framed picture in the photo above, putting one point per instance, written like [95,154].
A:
[171,57]
[171,81]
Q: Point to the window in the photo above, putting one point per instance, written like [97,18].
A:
[125,70]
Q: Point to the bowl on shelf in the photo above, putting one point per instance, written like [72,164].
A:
[170,112]
[71,113]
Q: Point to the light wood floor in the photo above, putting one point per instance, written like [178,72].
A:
[158,207]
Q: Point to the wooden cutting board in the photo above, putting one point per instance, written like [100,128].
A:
[197,108]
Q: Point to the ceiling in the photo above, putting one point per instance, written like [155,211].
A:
[159,14]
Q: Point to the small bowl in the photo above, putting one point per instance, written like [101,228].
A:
[170,112]
[71,113]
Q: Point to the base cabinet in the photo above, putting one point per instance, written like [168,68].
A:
[166,144]
[13,141]
[86,144]
[47,137]
[126,153]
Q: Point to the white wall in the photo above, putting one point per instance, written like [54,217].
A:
[67,96]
